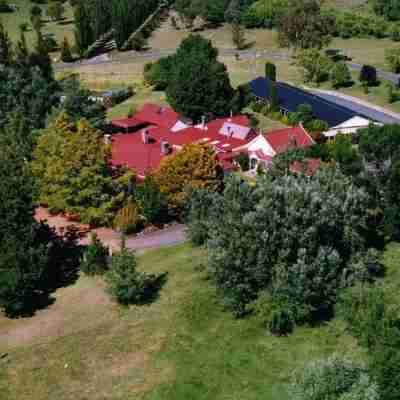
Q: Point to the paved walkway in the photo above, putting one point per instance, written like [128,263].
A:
[361,107]
[169,236]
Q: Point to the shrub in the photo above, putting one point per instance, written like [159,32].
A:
[244,161]
[367,315]
[385,368]
[65,51]
[199,215]
[270,71]
[128,286]
[340,75]
[152,203]
[392,57]
[368,75]
[335,379]
[282,322]
[395,33]
[315,65]
[95,257]
[128,219]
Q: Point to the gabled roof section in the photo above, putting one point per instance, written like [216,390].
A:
[235,131]
[289,138]
[290,97]
[161,116]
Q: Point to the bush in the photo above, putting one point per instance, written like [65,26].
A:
[65,51]
[368,75]
[199,215]
[128,219]
[392,57]
[335,379]
[152,203]
[282,322]
[395,33]
[95,257]
[270,71]
[385,368]
[340,75]
[128,286]
[367,315]
[244,161]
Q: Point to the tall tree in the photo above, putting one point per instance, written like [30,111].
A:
[199,83]
[71,163]
[83,32]
[304,26]
[6,50]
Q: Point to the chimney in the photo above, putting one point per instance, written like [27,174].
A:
[203,122]
[231,115]
[145,136]
[107,139]
[165,149]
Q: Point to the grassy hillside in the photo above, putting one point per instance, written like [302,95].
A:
[183,346]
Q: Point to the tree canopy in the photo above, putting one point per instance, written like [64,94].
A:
[303,25]
[71,164]
[195,166]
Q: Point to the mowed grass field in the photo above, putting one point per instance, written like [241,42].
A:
[183,346]
[61,29]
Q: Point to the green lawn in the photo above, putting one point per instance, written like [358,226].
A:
[183,346]
[13,20]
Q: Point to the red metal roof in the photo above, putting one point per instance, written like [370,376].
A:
[129,149]
[157,115]
[284,139]
[309,167]
[127,123]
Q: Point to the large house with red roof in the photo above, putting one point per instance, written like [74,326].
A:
[264,147]
[159,131]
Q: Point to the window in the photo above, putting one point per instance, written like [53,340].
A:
[253,163]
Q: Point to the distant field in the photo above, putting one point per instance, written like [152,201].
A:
[13,20]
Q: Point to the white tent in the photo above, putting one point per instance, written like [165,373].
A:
[349,127]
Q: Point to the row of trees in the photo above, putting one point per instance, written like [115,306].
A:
[196,83]
[34,260]
[94,18]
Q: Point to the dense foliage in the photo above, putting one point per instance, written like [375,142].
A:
[303,25]
[95,257]
[34,261]
[195,166]
[289,235]
[71,164]
[335,378]
[94,18]
[127,285]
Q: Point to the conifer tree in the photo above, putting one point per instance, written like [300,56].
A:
[84,36]
[66,55]
[6,51]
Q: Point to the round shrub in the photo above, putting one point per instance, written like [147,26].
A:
[128,286]
[281,323]
[95,257]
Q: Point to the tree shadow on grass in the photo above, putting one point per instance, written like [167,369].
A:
[61,269]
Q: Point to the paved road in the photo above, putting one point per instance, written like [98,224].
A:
[370,111]
[166,237]
[156,54]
